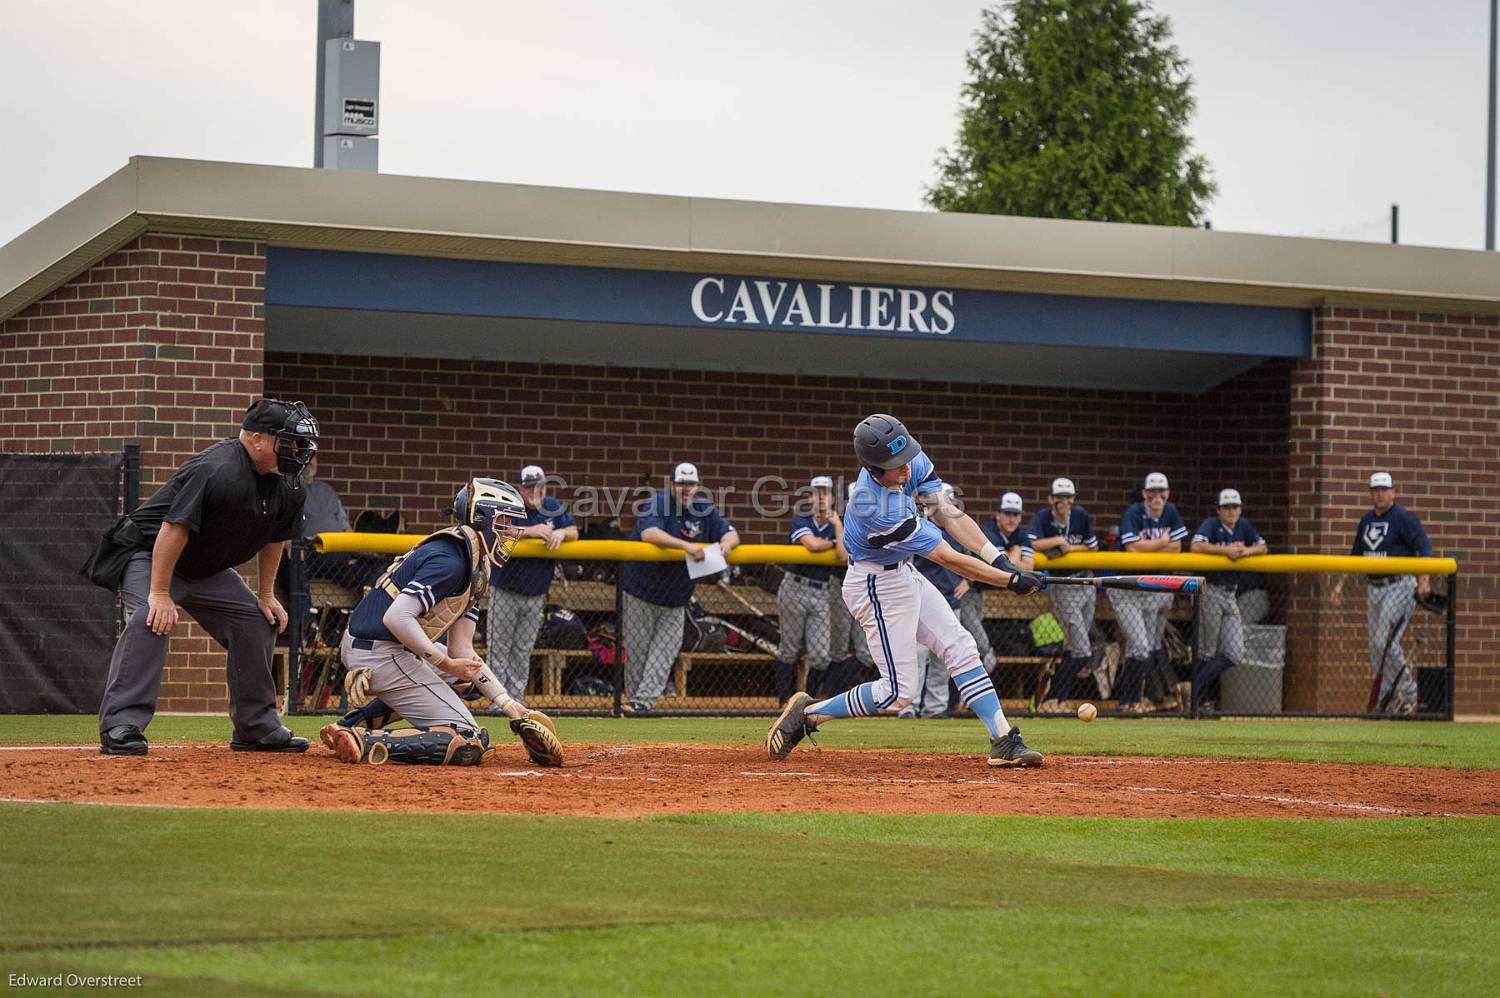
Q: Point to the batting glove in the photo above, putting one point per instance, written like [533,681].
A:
[1024,583]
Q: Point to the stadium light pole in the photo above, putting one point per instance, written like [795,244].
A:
[1489,173]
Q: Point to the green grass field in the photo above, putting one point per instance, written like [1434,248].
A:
[314,902]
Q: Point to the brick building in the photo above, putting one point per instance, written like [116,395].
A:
[437,328]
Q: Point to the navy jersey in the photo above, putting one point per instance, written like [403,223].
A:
[1019,537]
[1213,531]
[532,576]
[945,579]
[666,583]
[803,525]
[431,573]
[1138,525]
[1078,531]
[882,525]
[1396,533]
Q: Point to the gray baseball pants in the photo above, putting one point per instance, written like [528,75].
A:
[653,640]
[844,631]
[224,606]
[1142,618]
[1388,610]
[971,615]
[1220,629]
[932,698]
[510,629]
[420,693]
[803,613]
[1073,606]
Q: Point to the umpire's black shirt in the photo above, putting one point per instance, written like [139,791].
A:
[230,509]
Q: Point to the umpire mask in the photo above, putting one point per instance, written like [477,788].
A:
[295,430]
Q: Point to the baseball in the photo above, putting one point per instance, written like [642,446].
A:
[1087,711]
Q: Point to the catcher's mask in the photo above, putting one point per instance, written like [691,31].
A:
[491,507]
[295,430]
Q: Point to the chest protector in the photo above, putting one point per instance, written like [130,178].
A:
[443,613]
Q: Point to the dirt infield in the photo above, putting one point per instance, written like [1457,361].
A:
[634,780]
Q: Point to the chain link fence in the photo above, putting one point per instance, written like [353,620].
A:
[618,627]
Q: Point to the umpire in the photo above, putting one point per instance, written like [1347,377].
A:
[802,606]
[237,499]
[518,588]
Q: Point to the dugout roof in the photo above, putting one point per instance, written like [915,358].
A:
[389,265]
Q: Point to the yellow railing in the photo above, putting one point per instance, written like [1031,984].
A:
[796,554]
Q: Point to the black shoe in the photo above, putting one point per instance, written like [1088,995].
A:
[790,728]
[281,740]
[122,739]
[1010,751]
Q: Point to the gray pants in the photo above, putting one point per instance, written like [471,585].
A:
[510,629]
[1388,609]
[224,606]
[971,615]
[653,640]
[1073,606]
[418,692]
[803,613]
[1255,605]
[1142,618]
[844,632]
[1220,629]
[932,698]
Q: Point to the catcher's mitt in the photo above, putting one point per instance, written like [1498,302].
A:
[539,735]
[357,686]
[1434,602]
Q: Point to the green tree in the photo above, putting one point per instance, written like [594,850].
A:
[1075,109]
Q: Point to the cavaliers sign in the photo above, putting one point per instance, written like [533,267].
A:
[796,305]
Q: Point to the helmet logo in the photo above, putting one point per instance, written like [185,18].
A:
[898,445]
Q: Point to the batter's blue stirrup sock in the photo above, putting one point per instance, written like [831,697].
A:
[976,691]
[858,702]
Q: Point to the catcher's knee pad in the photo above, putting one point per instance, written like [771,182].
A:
[374,715]
[443,745]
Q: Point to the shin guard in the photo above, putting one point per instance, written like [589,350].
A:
[443,745]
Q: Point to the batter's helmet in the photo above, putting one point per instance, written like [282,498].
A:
[881,441]
[490,506]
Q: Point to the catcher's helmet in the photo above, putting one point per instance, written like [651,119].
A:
[881,441]
[295,429]
[491,507]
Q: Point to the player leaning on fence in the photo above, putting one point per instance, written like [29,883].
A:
[802,606]
[1062,527]
[1389,530]
[1221,633]
[1151,525]
[237,500]
[896,606]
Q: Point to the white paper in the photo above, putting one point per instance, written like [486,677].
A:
[713,561]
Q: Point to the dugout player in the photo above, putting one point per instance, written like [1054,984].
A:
[240,498]
[897,607]
[518,587]
[1151,525]
[1060,528]
[393,653]
[932,676]
[802,606]
[848,651]
[657,592]
[1221,632]
[1389,530]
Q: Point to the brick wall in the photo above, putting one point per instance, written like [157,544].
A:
[159,343]
[1417,394]
[402,432]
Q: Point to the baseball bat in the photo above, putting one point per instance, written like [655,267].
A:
[1141,583]
[1385,701]
[1390,635]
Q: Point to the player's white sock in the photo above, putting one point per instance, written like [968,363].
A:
[977,693]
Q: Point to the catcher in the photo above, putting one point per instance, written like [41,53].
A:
[392,655]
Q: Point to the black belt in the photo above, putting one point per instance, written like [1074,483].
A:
[1381,580]
[892,568]
[363,644]
[804,580]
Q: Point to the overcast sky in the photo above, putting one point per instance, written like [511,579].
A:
[1316,115]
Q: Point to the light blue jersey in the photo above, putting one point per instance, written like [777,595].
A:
[882,525]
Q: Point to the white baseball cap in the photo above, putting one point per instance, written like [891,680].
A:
[1063,487]
[1010,503]
[821,482]
[685,474]
[1381,480]
[532,474]
[1156,480]
[1229,497]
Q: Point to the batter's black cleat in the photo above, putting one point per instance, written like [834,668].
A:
[1009,751]
[280,740]
[790,728]
[122,739]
